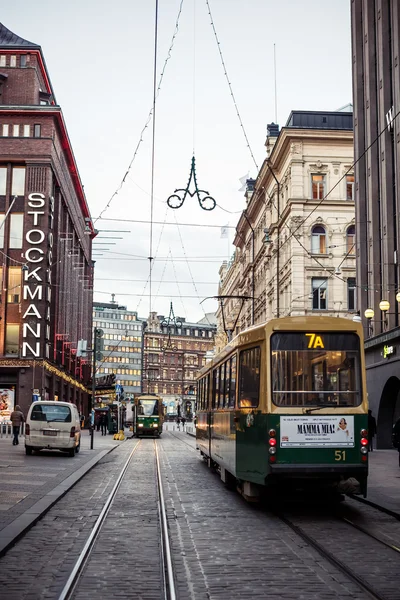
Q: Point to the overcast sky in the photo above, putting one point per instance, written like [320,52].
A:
[100,58]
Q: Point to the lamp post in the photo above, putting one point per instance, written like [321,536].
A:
[384,306]
[369,315]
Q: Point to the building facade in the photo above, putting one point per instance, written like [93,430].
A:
[122,345]
[45,239]
[172,357]
[295,241]
[376,92]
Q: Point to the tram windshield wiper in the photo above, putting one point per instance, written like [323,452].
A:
[319,406]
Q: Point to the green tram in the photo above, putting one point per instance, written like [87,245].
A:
[148,415]
[284,407]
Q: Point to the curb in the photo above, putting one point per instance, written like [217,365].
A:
[15,530]
[192,433]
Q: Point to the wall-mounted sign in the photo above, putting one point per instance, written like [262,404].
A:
[388,351]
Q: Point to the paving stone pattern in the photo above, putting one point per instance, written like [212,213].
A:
[38,566]
[26,479]
[225,548]
[125,562]
[376,564]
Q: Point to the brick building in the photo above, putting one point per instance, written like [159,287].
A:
[172,357]
[45,239]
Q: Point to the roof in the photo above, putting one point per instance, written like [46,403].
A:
[313,119]
[208,319]
[8,39]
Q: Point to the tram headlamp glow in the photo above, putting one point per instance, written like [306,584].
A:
[272,450]
[272,433]
[364,442]
[155,424]
[272,442]
[364,450]
[140,425]
[364,433]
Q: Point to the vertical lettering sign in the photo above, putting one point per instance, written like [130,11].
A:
[37,278]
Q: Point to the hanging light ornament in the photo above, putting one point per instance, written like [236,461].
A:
[170,323]
[206,201]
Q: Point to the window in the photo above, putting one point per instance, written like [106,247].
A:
[232,384]
[318,186]
[18,181]
[16,130]
[3,60]
[221,386]
[2,215]
[351,293]
[6,130]
[16,230]
[319,293]
[304,376]
[249,378]
[48,412]
[351,240]
[215,388]
[13,60]
[27,130]
[318,240]
[3,180]
[22,60]
[12,339]
[14,285]
[349,187]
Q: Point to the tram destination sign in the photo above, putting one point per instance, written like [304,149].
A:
[322,431]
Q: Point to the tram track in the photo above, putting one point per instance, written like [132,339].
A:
[72,585]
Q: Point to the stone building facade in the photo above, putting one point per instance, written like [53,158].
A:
[295,241]
[376,92]
[173,356]
[45,239]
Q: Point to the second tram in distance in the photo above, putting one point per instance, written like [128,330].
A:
[148,415]
[284,406]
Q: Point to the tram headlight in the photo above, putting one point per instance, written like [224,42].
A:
[272,450]
[272,433]
[140,425]
[364,450]
[364,433]
[272,442]
[364,442]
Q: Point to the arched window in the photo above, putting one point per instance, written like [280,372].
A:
[318,240]
[351,240]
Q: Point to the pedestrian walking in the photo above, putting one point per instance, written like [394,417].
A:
[178,422]
[396,436]
[372,430]
[104,424]
[17,418]
[183,423]
[98,422]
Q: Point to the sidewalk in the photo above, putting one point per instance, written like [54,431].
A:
[29,485]
[384,479]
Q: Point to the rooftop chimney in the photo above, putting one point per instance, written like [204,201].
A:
[272,130]
[250,184]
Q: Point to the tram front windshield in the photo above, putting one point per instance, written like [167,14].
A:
[316,369]
[148,408]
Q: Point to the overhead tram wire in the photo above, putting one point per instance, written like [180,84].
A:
[149,117]
[189,269]
[153,146]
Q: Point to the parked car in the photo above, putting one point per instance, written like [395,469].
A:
[53,426]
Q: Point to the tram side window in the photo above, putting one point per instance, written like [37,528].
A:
[227,383]
[200,388]
[249,378]
[221,386]
[207,388]
[232,384]
[215,388]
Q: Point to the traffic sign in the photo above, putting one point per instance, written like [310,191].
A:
[118,388]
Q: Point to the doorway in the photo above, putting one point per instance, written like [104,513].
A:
[389,411]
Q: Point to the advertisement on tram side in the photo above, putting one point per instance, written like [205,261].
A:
[323,431]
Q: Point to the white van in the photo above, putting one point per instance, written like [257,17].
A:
[53,426]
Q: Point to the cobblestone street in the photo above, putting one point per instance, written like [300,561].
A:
[222,547]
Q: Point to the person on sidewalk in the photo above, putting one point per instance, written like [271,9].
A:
[104,424]
[17,418]
[371,430]
[183,423]
[396,437]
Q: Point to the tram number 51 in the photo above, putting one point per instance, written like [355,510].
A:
[340,454]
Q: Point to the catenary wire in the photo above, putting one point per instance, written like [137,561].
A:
[153,148]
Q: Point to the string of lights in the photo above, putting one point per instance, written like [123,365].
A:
[229,84]
[149,117]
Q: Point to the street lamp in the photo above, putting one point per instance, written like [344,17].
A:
[384,306]
[369,315]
